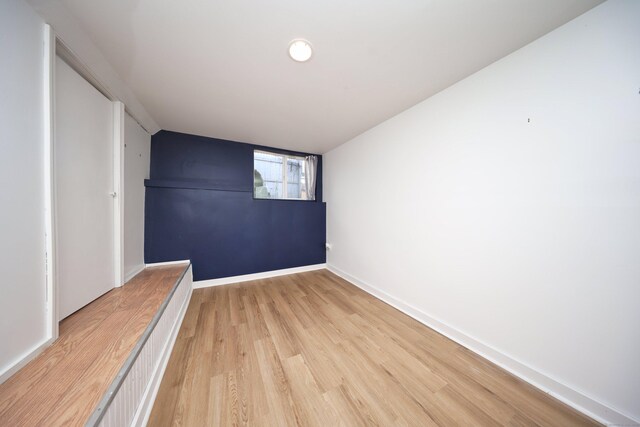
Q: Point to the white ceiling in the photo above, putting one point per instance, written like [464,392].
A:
[220,68]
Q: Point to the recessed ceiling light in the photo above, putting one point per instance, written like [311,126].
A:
[300,50]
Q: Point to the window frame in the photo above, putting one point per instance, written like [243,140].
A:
[284,156]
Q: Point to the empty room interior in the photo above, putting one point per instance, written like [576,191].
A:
[330,213]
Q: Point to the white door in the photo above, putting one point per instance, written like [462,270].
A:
[84,173]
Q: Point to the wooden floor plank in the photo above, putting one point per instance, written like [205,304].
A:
[64,383]
[311,349]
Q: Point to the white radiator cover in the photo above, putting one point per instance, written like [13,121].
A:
[130,398]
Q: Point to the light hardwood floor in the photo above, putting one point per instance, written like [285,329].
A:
[62,386]
[312,349]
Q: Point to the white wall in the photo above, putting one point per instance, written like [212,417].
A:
[23,324]
[519,235]
[137,154]
[22,242]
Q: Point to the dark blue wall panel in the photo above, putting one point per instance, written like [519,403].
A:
[219,163]
[200,206]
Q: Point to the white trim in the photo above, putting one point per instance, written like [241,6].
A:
[146,405]
[133,273]
[162,264]
[71,59]
[118,190]
[49,183]
[256,276]
[24,360]
[273,153]
[570,396]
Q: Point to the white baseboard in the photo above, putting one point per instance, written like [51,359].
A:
[144,410]
[256,276]
[32,354]
[130,275]
[161,264]
[574,398]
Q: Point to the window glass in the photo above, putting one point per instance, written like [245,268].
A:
[278,176]
[294,178]
[268,178]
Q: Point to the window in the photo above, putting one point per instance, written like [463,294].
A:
[280,176]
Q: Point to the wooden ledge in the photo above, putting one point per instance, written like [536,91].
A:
[64,384]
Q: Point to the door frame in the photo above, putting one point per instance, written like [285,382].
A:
[53,47]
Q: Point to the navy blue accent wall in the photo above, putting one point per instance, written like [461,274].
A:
[200,206]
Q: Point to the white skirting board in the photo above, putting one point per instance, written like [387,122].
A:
[585,404]
[256,276]
[161,264]
[131,274]
[24,360]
